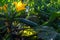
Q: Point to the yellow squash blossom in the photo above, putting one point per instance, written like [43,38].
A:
[19,6]
[5,7]
[0,8]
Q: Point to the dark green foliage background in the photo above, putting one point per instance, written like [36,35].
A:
[42,12]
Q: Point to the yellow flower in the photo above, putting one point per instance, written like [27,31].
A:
[5,7]
[19,6]
[0,8]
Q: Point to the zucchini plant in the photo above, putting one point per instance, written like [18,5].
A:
[15,23]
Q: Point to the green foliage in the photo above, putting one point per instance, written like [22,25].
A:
[42,18]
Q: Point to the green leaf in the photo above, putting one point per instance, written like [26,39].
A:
[51,19]
[28,22]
